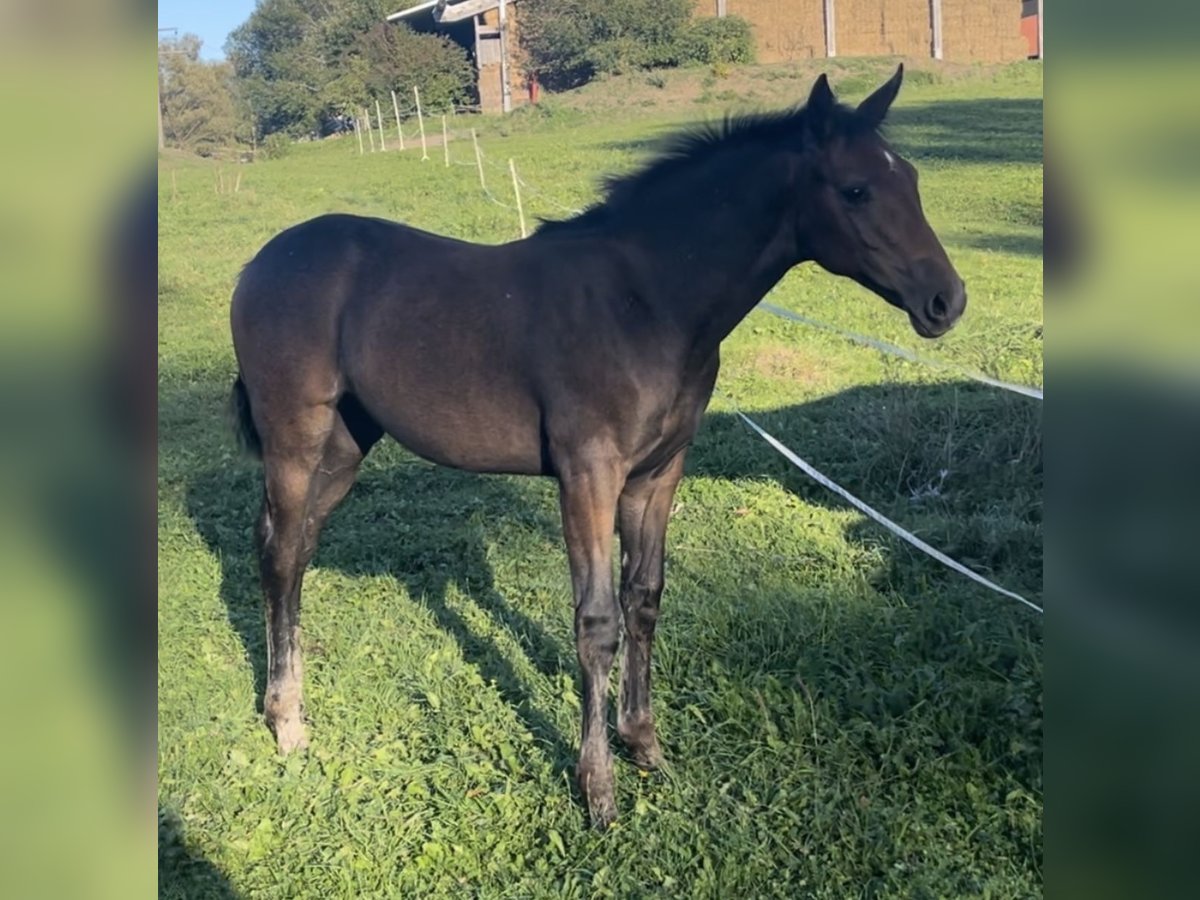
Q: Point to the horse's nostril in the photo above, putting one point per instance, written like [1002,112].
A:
[938,308]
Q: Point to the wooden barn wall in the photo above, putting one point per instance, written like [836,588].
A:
[972,30]
[490,97]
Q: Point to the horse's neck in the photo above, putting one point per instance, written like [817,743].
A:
[711,266]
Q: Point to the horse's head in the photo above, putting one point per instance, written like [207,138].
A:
[864,219]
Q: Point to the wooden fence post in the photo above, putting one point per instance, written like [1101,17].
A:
[399,130]
[379,121]
[935,21]
[421,124]
[830,30]
[512,168]
[478,159]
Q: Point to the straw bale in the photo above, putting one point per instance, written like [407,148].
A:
[883,28]
[986,31]
[972,30]
[784,30]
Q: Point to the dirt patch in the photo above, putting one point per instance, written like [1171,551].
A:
[784,363]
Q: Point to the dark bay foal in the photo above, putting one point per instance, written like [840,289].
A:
[587,352]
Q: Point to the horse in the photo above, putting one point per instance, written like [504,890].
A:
[587,352]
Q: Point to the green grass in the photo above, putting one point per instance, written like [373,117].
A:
[843,717]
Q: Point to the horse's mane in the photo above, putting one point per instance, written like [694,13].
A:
[699,144]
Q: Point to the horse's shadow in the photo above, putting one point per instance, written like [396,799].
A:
[959,463]
[423,525]
[183,872]
[889,443]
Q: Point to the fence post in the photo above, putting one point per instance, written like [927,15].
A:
[512,168]
[478,159]
[358,133]
[421,124]
[935,21]
[370,133]
[445,142]
[830,30]
[399,130]
[379,121]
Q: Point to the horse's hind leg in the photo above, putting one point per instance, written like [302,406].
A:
[305,481]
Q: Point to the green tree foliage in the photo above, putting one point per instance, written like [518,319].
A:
[572,41]
[396,58]
[711,41]
[303,62]
[200,104]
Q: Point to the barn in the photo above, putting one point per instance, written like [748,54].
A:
[1031,26]
[489,30]
[988,31]
[958,30]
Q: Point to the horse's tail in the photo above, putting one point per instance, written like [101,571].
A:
[242,421]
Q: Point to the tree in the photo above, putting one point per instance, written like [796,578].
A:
[397,58]
[278,59]
[300,63]
[197,98]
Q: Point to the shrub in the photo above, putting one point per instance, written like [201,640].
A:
[716,42]
[572,41]
[276,146]
[397,58]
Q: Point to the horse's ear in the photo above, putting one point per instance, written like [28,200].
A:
[874,109]
[819,107]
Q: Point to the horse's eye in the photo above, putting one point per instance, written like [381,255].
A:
[855,195]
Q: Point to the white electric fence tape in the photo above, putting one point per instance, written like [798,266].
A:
[878,516]
[909,355]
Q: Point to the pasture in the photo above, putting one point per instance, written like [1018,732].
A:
[843,717]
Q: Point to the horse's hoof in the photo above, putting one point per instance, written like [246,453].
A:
[649,758]
[640,740]
[290,735]
[602,814]
[597,791]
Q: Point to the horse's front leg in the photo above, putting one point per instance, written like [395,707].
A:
[643,513]
[588,495]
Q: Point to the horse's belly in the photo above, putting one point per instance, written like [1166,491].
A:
[478,437]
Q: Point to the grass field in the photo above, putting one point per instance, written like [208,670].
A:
[843,716]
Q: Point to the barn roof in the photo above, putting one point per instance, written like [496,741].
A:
[412,10]
[447,11]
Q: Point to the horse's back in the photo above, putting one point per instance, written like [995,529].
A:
[407,322]
[316,267]
[291,298]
